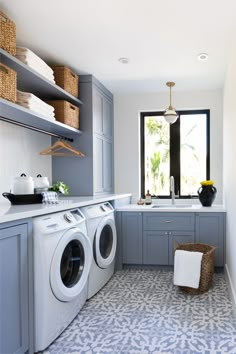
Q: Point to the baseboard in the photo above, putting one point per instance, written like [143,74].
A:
[230,285]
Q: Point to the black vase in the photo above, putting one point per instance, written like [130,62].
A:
[207,195]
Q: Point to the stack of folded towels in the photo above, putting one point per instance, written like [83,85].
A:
[30,101]
[33,61]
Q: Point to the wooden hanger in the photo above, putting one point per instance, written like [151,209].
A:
[58,145]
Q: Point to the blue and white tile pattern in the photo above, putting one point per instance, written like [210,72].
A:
[141,311]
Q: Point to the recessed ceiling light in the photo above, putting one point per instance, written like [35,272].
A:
[123,60]
[202,56]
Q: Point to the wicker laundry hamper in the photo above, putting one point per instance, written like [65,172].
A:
[207,266]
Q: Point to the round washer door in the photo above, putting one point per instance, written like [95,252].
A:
[105,241]
[70,265]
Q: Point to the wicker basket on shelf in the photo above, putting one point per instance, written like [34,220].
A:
[66,79]
[207,266]
[7,83]
[7,34]
[66,113]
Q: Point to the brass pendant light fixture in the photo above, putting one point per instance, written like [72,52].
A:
[170,114]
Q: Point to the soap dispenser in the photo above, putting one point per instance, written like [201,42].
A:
[148,198]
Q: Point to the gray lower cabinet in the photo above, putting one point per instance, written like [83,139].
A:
[210,229]
[132,248]
[161,231]
[150,238]
[14,301]
[155,247]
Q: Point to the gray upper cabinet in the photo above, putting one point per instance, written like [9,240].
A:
[14,300]
[103,141]
[93,174]
[103,114]
[132,238]
[210,229]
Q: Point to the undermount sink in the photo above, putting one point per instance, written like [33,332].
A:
[174,206]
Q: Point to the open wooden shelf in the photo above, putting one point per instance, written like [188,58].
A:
[30,80]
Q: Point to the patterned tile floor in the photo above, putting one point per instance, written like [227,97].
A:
[141,311]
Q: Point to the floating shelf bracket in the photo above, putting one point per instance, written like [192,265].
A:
[27,126]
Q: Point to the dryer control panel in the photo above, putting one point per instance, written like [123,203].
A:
[58,221]
[97,210]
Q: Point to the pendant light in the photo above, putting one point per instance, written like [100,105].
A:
[170,114]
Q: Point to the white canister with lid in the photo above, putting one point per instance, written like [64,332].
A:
[23,185]
[41,182]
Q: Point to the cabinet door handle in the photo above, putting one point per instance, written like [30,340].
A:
[167,221]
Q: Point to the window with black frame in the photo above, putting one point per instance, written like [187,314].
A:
[181,150]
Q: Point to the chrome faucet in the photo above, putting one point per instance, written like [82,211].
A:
[172,189]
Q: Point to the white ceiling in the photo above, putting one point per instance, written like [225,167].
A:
[161,38]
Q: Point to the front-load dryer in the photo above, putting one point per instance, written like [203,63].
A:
[101,229]
[62,261]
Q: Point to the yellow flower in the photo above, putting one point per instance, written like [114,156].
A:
[208,182]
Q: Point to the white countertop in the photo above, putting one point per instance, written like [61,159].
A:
[10,212]
[168,208]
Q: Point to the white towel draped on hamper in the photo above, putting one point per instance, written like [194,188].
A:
[187,268]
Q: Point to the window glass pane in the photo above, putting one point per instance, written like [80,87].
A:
[192,152]
[157,155]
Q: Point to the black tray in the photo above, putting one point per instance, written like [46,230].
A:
[19,199]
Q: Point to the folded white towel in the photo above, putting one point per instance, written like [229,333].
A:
[39,110]
[187,268]
[32,104]
[39,69]
[29,98]
[27,54]
[34,63]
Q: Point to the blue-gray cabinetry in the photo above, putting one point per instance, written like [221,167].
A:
[210,229]
[132,252]
[93,174]
[160,233]
[103,139]
[14,289]
[155,247]
[149,238]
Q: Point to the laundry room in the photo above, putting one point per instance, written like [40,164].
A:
[117,178]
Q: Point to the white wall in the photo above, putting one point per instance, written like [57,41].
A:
[229,157]
[19,152]
[127,110]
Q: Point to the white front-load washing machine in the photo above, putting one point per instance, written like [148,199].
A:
[101,229]
[62,261]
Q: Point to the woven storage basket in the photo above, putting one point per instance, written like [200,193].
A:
[66,113]
[66,79]
[207,266]
[7,83]
[7,34]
